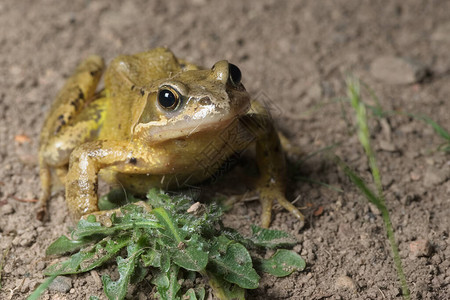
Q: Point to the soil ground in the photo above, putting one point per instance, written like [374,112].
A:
[294,55]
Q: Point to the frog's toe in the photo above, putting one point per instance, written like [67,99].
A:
[266,197]
[266,213]
[103,217]
[292,209]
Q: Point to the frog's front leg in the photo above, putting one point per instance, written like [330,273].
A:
[88,159]
[59,135]
[271,184]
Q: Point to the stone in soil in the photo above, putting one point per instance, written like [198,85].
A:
[397,70]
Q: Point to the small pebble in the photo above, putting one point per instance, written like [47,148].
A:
[7,209]
[387,146]
[27,239]
[414,176]
[420,248]
[61,284]
[397,70]
[434,176]
[345,282]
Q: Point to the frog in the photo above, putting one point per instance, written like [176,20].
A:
[158,122]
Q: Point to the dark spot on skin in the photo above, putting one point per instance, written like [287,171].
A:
[132,87]
[93,73]
[120,126]
[75,102]
[142,92]
[57,129]
[183,66]
[133,160]
[81,94]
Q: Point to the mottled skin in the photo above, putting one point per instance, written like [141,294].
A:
[126,135]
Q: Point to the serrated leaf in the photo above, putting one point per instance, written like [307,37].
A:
[116,290]
[235,265]
[166,220]
[90,258]
[192,258]
[86,228]
[65,245]
[270,238]
[283,263]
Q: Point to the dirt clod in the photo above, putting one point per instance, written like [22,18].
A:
[420,248]
[397,70]
[61,284]
[345,282]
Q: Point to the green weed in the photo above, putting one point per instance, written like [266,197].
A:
[377,197]
[173,245]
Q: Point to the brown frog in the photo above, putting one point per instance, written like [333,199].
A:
[159,122]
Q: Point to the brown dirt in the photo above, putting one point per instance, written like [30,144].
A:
[297,54]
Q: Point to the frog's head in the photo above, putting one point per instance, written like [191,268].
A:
[193,101]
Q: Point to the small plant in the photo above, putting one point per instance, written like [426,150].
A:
[174,241]
[375,197]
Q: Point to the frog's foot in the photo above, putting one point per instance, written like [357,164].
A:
[267,195]
[104,216]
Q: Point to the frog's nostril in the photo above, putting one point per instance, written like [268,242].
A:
[205,101]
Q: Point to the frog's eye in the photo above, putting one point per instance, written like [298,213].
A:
[235,74]
[168,98]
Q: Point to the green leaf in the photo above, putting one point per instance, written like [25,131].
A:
[41,288]
[270,238]
[116,290]
[139,273]
[283,263]
[190,295]
[235,265]
[166,219]
[194,294]
[151,257]
[167,284]
[89,258]
[161,280]
[192,258]
[65,245]
[86,228]
[225,290]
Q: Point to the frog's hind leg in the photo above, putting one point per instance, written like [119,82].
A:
[59,130]
[271,184]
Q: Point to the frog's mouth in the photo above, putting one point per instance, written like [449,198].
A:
[191,123]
